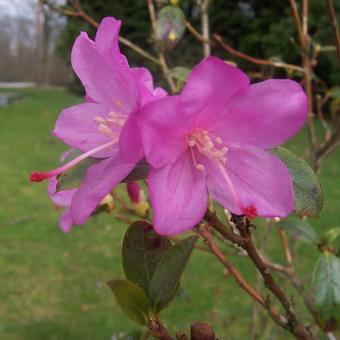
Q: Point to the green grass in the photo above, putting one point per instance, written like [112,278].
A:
[52,285]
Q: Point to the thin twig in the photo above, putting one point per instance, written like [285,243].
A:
[205,233]
[195,33]
[334,23]
[294,325]
[244,240]
[238,54]
[307,66]
[285,246]
[205,6]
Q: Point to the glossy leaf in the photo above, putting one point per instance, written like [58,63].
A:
[326,283]
[166,279]
[170,26]
[142,250]
[308,192]
[132,300]
[301,229]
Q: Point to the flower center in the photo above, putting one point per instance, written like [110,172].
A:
[208,145]
[212,147]
[108,126]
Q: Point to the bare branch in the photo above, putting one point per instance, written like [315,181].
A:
[334,23]
[253,60]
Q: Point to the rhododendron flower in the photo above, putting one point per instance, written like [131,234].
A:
[102,127]
[214,139]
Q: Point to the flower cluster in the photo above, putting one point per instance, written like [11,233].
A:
[214,138]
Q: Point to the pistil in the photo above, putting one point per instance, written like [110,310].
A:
[37,176]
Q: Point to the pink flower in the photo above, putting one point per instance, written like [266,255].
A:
[103,127]
[213,139]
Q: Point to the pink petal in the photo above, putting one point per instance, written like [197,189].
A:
[62,198]
[210,84]
[66,222]
[130,144]
[100,179]
[145,82]
[163,130]
[107,35]
[107,42]
[76,126]
[265,114]
[178,195]
[259,178]
[104,79]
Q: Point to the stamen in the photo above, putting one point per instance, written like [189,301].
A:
[99,119]
[198,166]
[37,176]
[106,130]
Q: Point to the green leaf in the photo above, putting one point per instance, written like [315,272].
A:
[301,229]
[166,279]
[170,26]
[73,177]
[180,73]
[132,300]
[326,282]
[142,250]
[308,192]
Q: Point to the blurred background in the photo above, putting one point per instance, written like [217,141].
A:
[53,285]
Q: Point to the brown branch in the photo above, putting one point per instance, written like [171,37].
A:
[294,325]
[254,294]
[80,13]
[158,330]
[225,231]
[205,6]
[286,248]
[327,147]
[334,23]
[238,54]
[302,31]
[195,33]
[244,240]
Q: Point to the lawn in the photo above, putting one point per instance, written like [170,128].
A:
[52,285]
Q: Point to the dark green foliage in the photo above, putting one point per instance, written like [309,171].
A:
[141,251]
[262,29]
[166,279]
[132,300]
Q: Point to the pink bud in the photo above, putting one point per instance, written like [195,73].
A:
[133,189]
